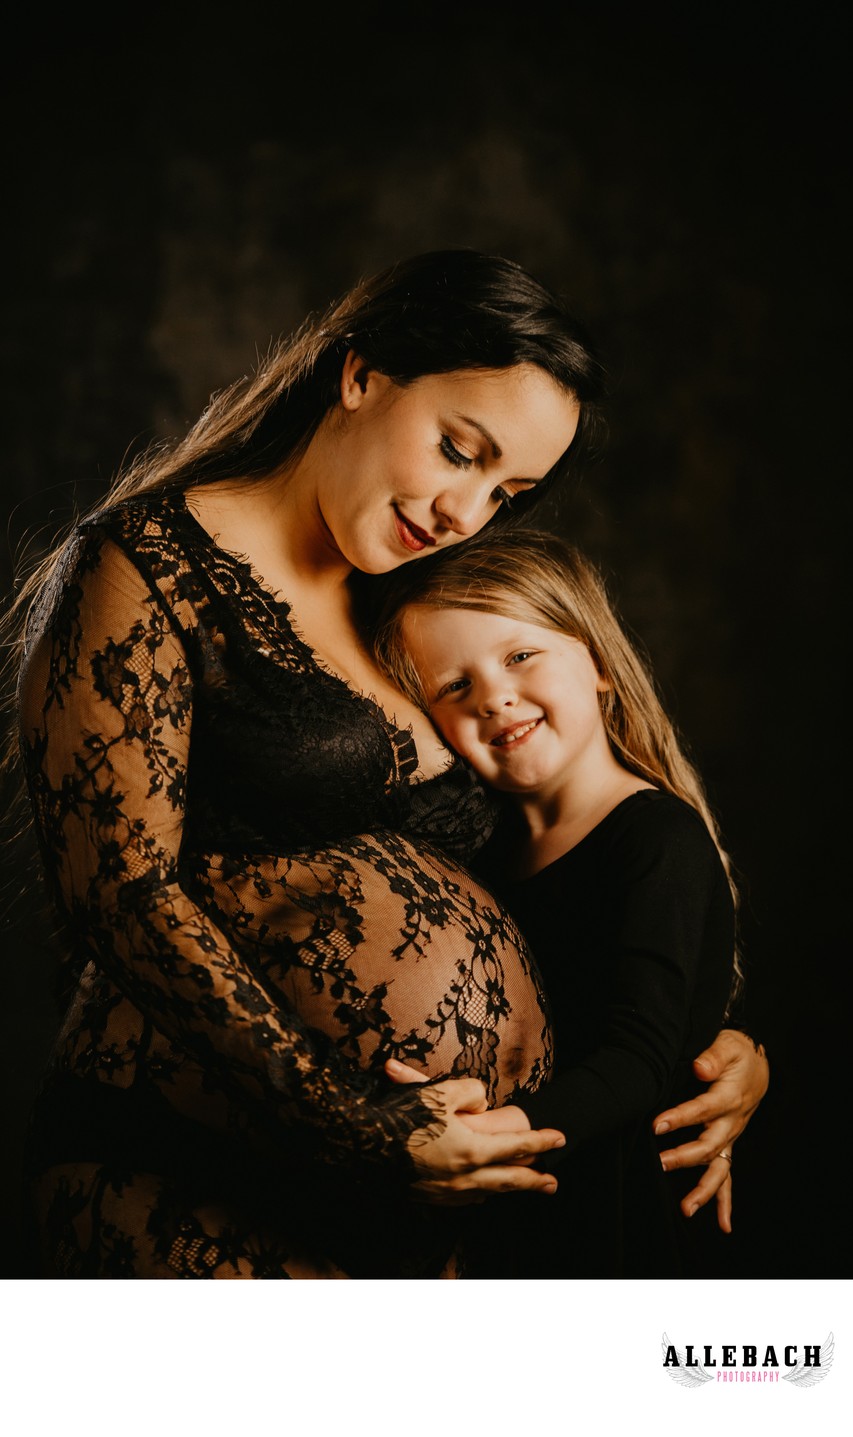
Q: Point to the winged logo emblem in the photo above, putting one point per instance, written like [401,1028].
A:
[684,1376]
[802,1376]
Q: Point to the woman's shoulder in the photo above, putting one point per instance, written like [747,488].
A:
[134,555]
[145,523]
[159,537]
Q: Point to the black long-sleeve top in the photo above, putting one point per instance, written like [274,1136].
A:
[633,930]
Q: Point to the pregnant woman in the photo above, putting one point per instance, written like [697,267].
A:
[257,847]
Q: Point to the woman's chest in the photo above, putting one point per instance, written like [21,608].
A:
[285,754]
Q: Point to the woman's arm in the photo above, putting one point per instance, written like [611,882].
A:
[106,712]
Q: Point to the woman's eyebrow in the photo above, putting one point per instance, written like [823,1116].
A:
[497,452]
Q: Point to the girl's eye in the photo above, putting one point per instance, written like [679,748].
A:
[456,686]
[522,655]
[449,450]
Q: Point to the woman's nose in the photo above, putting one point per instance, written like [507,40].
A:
[465,508]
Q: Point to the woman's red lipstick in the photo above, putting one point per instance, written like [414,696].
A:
[412,536]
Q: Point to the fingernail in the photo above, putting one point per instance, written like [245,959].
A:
[550,1188]
[392,1063]
[661,1127]
[701,1063]
[664,1166]
[691,1210]
[560,1143]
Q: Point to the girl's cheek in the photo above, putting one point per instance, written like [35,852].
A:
[448,729]
[462,737]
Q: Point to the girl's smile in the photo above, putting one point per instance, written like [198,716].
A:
[518,701]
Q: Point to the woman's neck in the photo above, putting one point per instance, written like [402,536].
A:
[277,524]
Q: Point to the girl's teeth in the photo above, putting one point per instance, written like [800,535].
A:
[518,733]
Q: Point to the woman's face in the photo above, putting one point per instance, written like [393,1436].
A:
[403,471]
[518,701]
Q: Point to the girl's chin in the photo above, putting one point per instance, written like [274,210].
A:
[518,781]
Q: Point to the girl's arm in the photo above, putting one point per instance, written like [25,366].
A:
[675,933]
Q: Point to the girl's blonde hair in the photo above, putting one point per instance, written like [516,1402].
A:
[537,578]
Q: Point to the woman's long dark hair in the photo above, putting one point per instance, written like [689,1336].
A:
[433,313]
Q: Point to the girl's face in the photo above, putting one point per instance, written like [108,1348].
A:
[518,701]
[404,471]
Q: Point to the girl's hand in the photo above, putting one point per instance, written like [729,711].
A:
[478,1150]
[739,1077]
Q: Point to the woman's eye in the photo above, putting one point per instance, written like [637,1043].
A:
[449,450]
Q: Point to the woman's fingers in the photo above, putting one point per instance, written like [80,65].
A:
[733,1055]
[454,1150]
[477,1185]
[704,1149]
[704,1109]
[724,1204]
[402,1073]
[740,1077]
[489,1150]
[457,1095]
[716,1181]
[497,1120]
[448,1147]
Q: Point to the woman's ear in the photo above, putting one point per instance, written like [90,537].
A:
[354,380]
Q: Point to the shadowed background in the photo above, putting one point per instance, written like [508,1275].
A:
[179,197]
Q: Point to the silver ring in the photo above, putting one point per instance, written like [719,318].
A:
[727,1156]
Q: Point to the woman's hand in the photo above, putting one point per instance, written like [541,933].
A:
[479,1150]
[738,1076]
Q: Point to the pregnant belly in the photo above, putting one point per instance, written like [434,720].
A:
[394,951]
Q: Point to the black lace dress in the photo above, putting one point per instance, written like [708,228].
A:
[261,903]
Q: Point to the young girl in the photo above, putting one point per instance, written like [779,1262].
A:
[608,856]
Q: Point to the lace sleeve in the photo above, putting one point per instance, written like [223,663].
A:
[105,705]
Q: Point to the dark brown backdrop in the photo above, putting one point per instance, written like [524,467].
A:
[179,196]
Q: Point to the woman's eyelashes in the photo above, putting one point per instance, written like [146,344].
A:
[464,461]
[458,460]
[449,450]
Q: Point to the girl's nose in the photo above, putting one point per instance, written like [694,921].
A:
[495,697]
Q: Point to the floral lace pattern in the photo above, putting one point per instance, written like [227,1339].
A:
[261,904]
